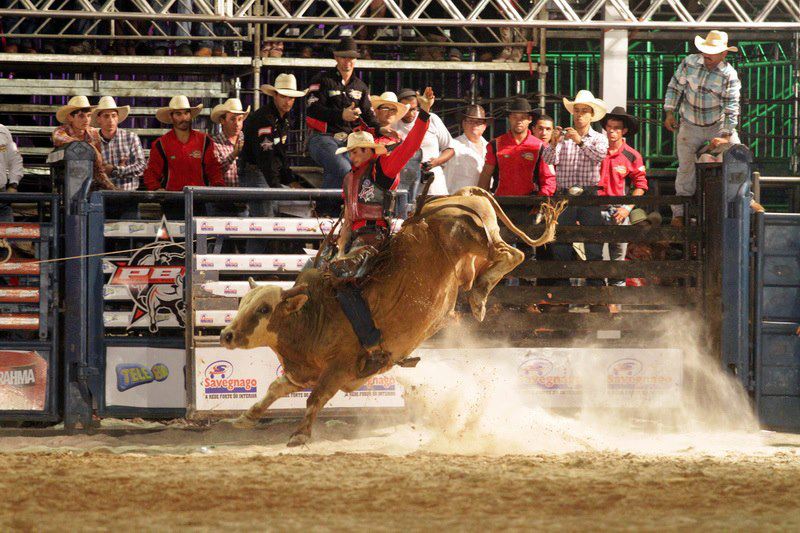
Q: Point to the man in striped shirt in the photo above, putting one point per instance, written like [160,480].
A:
[705,91]
[123,156]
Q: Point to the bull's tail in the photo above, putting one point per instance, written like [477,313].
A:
[550,213]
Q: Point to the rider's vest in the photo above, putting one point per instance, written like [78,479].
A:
[364,198]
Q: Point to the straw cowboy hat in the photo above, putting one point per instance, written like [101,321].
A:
[362,139]
[630,122]
[285,85]
[177,103]
[107,103]
[76,102]
[231,105]
[715,42]
[389,99]
[587,98]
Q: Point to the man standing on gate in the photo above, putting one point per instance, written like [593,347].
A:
[263,162]
[464,169]
[705,91]
[122,149]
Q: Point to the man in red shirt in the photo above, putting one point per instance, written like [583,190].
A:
[183,156]
[622,163]
[514,161]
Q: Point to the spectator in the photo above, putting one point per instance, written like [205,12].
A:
[183,156]
[388,111]
[122,149]
[542,127]
[464,169]
[75,117]
[10,170]
[514,160]
[576,154]
[705,91]
[436,147]
[229,141]
[621,163]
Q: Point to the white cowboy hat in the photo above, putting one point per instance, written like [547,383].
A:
[362,139]
[177,103]
[231,105]
[76,102]
[107,103]
[286,85]
[390,99]
[587,98]
[715,42]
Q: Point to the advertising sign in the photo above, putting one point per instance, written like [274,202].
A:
[23,381]
[145,377]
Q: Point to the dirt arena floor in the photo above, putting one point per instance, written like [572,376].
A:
[208,479]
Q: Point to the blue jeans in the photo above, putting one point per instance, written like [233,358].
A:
[251,176]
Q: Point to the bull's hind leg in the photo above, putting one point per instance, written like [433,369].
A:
[329,384]
[502,260]
[277,389]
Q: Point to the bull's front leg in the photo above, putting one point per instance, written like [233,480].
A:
[330,382]
[503,258]
[277,389]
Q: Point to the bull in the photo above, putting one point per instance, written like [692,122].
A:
[452,244]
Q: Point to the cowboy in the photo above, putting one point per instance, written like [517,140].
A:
[264,161]
[367,200]
[576,154]
[622,163]
[435,147]
[388,110]
[705,91]
[122,149]
[464,169]
[228,142]
[183,156]
[10,170]
[337,105]
[75,117]
[514,159]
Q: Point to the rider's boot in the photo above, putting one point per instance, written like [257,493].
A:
[372,360]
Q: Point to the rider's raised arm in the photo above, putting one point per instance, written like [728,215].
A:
[393,163]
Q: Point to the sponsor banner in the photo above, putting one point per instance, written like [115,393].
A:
[21,295]
[23,381]
[216,318]
[141,229]
[249,263]
[19,321]
[145,377]
[124,319]
[288,227]
[231,380]
[15,230]
[237,289]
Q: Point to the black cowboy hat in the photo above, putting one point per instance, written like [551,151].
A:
[619,113]
[518,105]
[476,112]
[405,92]
[346,47]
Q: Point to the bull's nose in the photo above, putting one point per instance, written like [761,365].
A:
[226,338]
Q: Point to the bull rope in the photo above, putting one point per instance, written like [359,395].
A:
[86,256]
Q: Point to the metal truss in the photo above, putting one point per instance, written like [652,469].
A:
[438,22]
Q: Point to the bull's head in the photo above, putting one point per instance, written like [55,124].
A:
[250,327]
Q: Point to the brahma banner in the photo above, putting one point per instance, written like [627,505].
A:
[23,381]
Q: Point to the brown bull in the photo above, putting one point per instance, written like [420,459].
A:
[453,244]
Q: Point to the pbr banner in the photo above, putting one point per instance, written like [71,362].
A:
[230,380]
[23,381]
[145,377]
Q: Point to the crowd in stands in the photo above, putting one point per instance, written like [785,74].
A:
[533,157]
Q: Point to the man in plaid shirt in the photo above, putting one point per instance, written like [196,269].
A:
[229,141]
[123,156]
[705,91]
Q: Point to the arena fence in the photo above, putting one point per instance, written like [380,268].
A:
[141,325]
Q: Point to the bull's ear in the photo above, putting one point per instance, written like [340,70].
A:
[252,282]
[294,303]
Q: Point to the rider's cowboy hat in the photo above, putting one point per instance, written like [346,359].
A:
[76,102]
[177,103]
[285,85]
[107,103]
[630,122]
[389,99]
[362,139]
[475,112]
[585,97]
[231,105]
[715,42]
[346,47]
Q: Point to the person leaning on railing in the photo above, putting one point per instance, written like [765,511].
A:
[228,143]
[10,171]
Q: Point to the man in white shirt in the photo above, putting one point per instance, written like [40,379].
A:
[10,171]
[434,146]
[464,169]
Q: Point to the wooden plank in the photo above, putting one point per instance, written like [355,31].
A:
[568,234]
[389,65]
[526,295]
[16,321]
[119,88]
[650,200]
[14,230]
[19,295]
[108,60]
[606,269]
[24,267]
[48,130]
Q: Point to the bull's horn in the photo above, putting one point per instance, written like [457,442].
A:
[294,291]
[252,282]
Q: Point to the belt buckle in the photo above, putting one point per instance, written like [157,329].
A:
[575,191]
[341,136]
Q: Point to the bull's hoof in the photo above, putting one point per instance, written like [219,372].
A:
[298,439]
[243,422]
[477,305]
